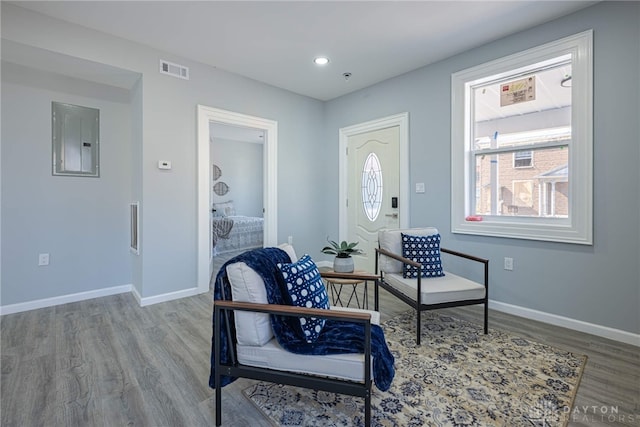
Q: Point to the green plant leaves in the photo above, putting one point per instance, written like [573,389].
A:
[343,249]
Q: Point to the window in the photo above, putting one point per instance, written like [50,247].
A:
[533,104]
[523,159]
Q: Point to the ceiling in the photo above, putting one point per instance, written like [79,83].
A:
[275,42]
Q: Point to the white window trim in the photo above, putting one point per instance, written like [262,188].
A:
[578,228]
[529,166]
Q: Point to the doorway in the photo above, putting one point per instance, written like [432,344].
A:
[237,162]
[269,129]
[362,215]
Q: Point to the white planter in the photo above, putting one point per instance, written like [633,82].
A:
[343,265]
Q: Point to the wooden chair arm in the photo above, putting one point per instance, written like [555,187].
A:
[348,276]
[398,257]
[294,311]
[472,258]
[445,250]
[464,255]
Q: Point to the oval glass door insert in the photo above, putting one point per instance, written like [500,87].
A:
[372,187]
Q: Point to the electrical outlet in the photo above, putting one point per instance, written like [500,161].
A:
[290,240]
[508,263]
[43,259]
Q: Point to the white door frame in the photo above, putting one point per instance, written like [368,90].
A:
[401,120]
[206,115]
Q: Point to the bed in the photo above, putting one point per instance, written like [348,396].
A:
[236,233]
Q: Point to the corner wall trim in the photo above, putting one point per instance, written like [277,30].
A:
[63,299]
[577,325]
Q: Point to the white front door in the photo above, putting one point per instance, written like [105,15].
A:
[373,189]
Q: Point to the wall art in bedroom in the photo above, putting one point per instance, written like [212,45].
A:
[221,188]
[217,172]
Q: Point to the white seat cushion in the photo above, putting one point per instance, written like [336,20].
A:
[436,290]
[391,240]
[349,366]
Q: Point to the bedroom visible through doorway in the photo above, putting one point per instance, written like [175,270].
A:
[237,202]
[207,116]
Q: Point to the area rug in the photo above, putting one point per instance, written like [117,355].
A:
[457,377]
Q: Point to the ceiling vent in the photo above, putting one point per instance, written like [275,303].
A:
[175,70]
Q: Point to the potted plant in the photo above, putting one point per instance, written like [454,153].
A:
[342,263]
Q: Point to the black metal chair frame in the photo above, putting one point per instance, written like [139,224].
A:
[334,385]
[415,303]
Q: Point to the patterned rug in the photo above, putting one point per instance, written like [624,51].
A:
[457,377]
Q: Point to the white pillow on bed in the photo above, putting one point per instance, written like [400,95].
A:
[247,286]
[224,208]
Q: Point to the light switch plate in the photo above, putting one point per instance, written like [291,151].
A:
[419,187]
[164,164]
[43,259]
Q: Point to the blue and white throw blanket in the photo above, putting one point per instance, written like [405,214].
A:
[336,337]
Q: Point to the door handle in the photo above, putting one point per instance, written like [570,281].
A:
[392,215]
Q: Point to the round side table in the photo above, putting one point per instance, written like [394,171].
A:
[336,286]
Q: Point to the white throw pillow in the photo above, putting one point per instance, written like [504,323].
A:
[391,240]
[224,208]
[247,286]
[289,250]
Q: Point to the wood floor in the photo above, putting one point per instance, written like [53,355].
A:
[109,362]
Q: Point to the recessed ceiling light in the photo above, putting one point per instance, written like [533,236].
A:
[321,60]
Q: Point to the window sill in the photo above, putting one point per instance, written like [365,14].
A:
[543,229]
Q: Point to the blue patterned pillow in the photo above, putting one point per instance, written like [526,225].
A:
[426,251]
[306,289]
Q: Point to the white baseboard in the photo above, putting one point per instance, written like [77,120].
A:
[81,296]
[577,325]
[166,297]
[63,299]
[136,295]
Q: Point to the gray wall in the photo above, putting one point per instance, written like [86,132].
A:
[81,222]
[164,109]
[597,284]
[241,165]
